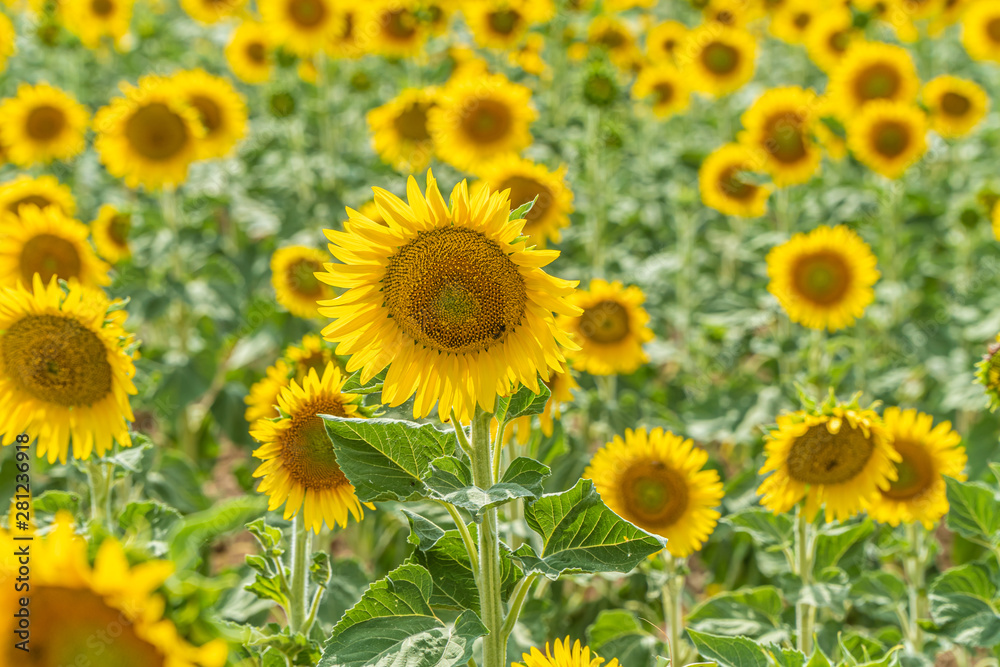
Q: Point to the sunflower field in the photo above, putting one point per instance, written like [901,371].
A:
[499,333]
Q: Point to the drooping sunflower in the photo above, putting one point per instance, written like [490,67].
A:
[94,20]
[221,110]
[41,191]
[479,119]
[830,36]
[262,400]
[981,31]
[721,60]
[667,87]
[928,453]
[301,26]
[657,481]
[451,299]
[956,105]
[563,655]
[499,24]
[888,137]
[107,614]
[65,369]
[792,21]
[212,11]
[110,231]
[664,40]
[41,124]
[300,467]
[610,330]
[399,129]
[837,458]
[778,127]
[49,243]
[823,279]
[872,71]
[249,52]
[148,136]
[723,186]
[392,28]
[293,275]
[527,180]
[7,41]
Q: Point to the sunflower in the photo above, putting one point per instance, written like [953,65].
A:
[221,110]
[42,191]
[873,71]
[48,243]
[615,37]
[392,28]
[479,119]
[823,279]
[956,105]
[106,614]
[888,137]
[449,298]
[212,11]
[951,12]
[312,353]
[561,385]
[724,188]
[527,180]
[981,31]
[897,15]
[293,275]
[300,466]
[830,36]
[721,60]
[988,370]
[499,24]
[65,368]
[778,127]
[301,26]
[657,481]
[262,400]
[563,656]
[399,129]
[370,211]
[664,40]
[346,40]
[93,20]
[41,124]
[7,41]
[731,13]
[838,457]
[666,86]
[529,57]
[824,121]
[249,52]
[110,231]
[149,136]
[928,454]
[792,21]
[610,328]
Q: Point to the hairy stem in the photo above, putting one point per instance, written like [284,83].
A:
[915,565]
[803,611]
[673,608]
[301,546]
[490,600]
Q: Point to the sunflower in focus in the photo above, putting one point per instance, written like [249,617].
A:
[873,71]
[301,26]
[657,481]
[928,454]
[75,607]
[110,231]
[527,180]
[837,458]
[94,20]
[479,119]
[956,105]
[778,127]
[293,275]
[393,28]
[7,41]
[221,110]
[981,31]
[249,52]
[299,466]
[148,136]
[563,655]
[499,24]
[888,137]
[445,292]
[212,11]
[42,191]
[41,124]
[666,86]
[663,41]
[610,330]
[830,36]
[823,279]
[65,363]
[721,61]
[399,129]
[792,21]
[48,243]
[724,187]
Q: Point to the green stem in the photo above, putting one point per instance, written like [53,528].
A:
[498,450]
[673,608]
[517,598]
[596,189]
[301,546]
[803,612]
[463,530]
[97,480]
[915,565]
[463,441]
[490,600]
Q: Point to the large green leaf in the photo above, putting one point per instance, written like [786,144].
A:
[729,651]
[620,634]
[833,542]
[197,531]
[581,534]
[753,612]
[393,624]
[387,459]
[879,588]
[450,479]
[974,511]
[522,403]
[962,604]
[765,528]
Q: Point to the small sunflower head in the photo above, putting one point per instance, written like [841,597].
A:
[988,373]
[600,89]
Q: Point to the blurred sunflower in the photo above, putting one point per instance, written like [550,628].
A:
[664,40]
[951,11]
[148,136]
[445,292]
[791,22]
[106,614]
[823,279]
[778,127]
[529,56]
[981,30]
[499,24]
[610,328]
[345,41]
[732,13]
[956,105]
[657,481]
[479,119]
[41,124]
[249,52]
[312,353]
[301,26]
[392,27]
[299,466]
[370,211]
[49,243]
[41,191]
[527,180]
[437,15]
[221,110]
[896,15]
[7,41]
[110,231]
[928,454]
[561,385]
[293,275]
[888,137]
[838,458]
[720,61]
[615,37]
[563,656]
[399,129]
[723,187]
[94,20]
[212,11]
[667,87]
[830,36]
[64,365]
[828,130]
[873,71]
[988,369]
[262,400]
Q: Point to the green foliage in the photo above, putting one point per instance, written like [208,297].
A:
[450,480]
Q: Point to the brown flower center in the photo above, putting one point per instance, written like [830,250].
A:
[504,21]
[45,123]
[891,138]
[655,496]
[784,138]
[915,471]
[606,322]
[733,186]
[155,132]
[49,255]
[876,82]
[523,190]
[720,58]
[307,13]
[411,124]
[821,277]
[306,450]
[955,104]
[486,121]
[301,277]
[820,457]
[38,200]
[102,8]
[209,113]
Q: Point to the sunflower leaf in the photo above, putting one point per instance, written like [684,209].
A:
[833,542]
[451,481]
[754,612]
[729,651]
[963,605]
[522,403]
[620,633]
[522,210]
[765,528]
[974,511]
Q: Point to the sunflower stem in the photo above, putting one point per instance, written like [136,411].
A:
[297,595]
[490,599]
[803,611]
[97,480]
[517,598]
[463,530]
[673,607]
[915,565]
[596,188]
